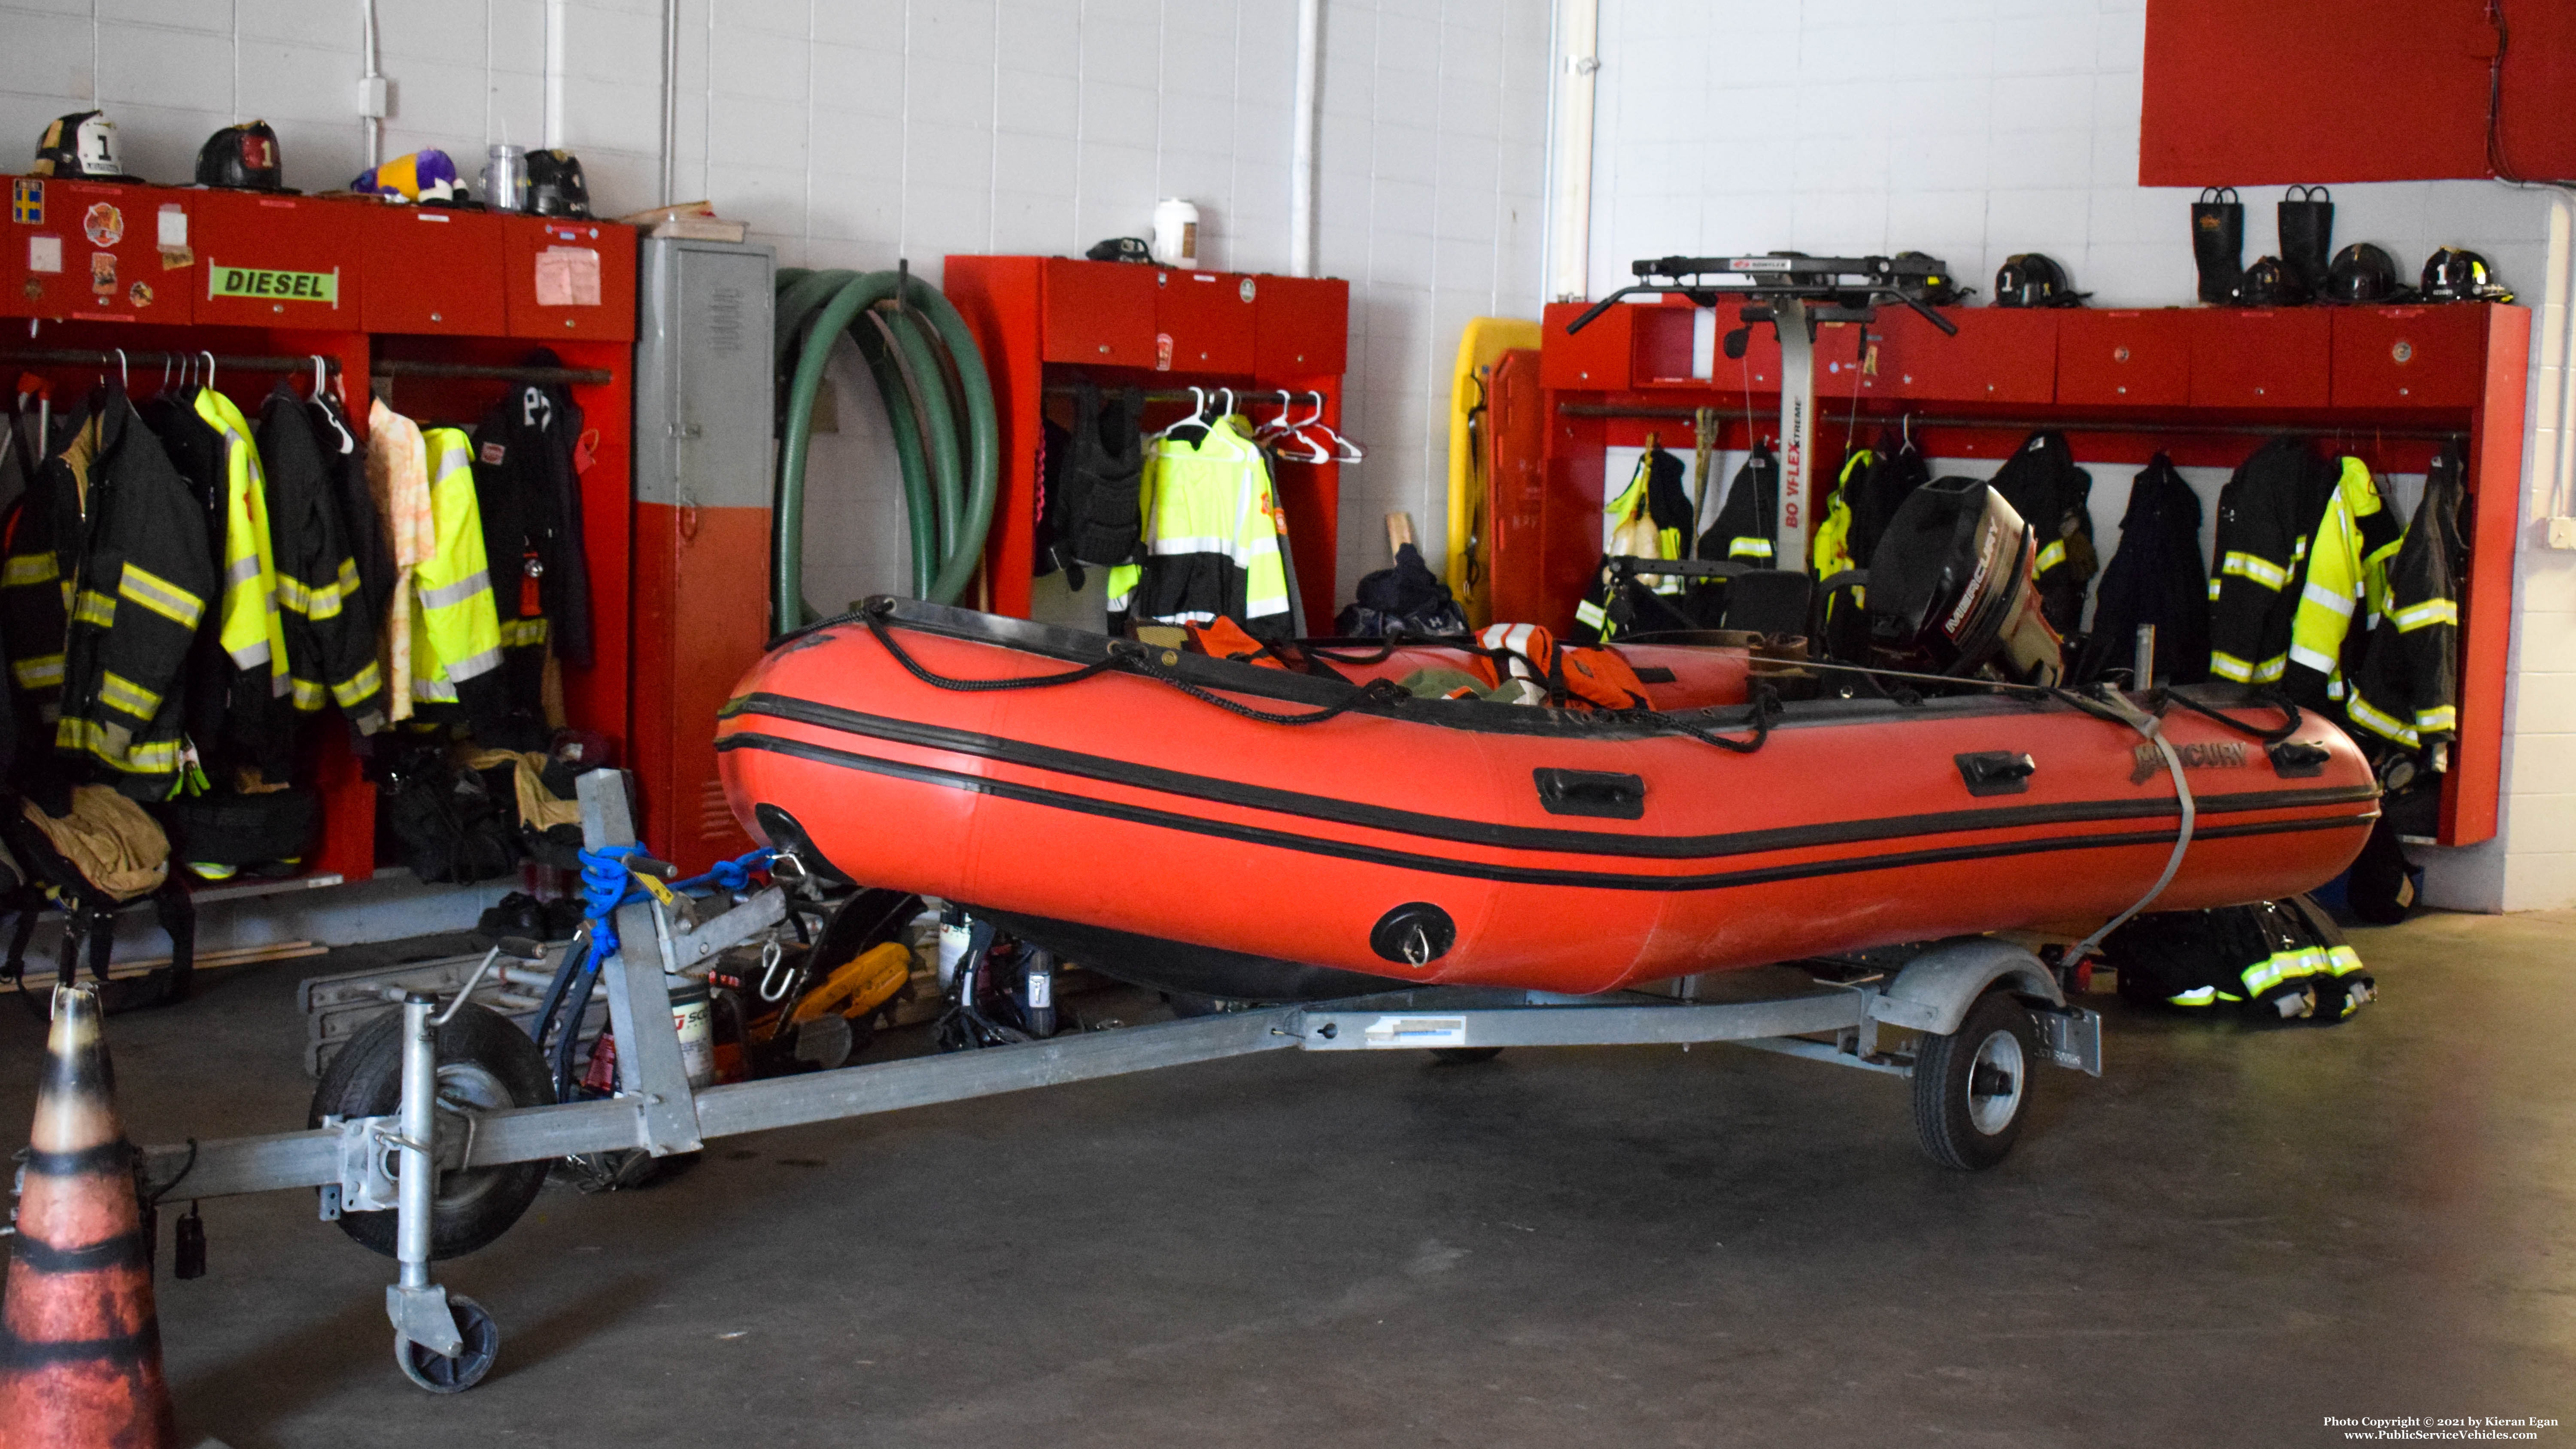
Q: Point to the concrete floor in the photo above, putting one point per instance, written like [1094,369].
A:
[2235,1233]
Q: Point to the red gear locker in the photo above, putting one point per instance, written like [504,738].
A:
[97,252]
[277,261]
[433,270]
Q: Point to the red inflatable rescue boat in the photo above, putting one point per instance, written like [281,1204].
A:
[1200,824]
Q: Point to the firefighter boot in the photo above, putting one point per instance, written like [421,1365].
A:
[2218,243]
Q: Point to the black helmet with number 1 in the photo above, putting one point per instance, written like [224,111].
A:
[80,147]
[2455,274]
[241,157]
[2033,279]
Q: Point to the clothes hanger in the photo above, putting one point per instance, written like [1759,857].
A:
[1278,424]
[1310,451]
[1198,405]
[1344,450]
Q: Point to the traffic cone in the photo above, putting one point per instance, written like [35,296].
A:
[80,1346]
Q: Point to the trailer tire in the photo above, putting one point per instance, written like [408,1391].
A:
[1464,1056]
[1972,1088]
[485,1064]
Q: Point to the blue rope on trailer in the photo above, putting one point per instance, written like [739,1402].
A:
[603,889]
[606,885]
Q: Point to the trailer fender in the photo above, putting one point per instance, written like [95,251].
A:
[1934,991]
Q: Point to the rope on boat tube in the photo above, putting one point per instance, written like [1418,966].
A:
[1376,691]
[2289,714]
[874,615]
[1766,709]
[2152,729]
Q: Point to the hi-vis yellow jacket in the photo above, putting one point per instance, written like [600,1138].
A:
[455,627]
[2343,598]
[1211,538]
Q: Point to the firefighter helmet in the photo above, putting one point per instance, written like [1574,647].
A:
[1928,279]
[2270,283]
[2454,274]
[81,145]
[241,157]
[555,187]
[2361,273]
[2030,279]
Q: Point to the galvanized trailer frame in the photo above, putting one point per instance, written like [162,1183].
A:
[362,1165]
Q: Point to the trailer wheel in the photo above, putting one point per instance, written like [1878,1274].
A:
[1464,1056]
[485,1064]
[1972,1088]
[440,1374]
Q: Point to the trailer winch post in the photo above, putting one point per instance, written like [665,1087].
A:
[649,1068]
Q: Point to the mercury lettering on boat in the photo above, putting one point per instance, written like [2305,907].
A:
[2146,762]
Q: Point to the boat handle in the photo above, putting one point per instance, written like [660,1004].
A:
[2298,760]
[1995,772]
[1603,794]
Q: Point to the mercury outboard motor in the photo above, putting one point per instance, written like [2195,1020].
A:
[1950,588]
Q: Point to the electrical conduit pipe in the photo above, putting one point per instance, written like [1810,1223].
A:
[938,401]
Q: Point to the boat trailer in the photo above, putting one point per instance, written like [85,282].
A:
[1983,1009]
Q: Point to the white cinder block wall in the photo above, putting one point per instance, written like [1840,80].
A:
[853,132]
[1975,129]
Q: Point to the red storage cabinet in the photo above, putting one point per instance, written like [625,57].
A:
[354,282]
[2124,358]
[277,261]
[1595,358]
[432,270]
[2409,357]
[93,251]
[1102,313]
[2261,357]
[1044,322]
[565,279]
[1300,326]
[1203,321]
[1661,343]
[2001,355]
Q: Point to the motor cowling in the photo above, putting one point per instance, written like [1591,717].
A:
[1951,592]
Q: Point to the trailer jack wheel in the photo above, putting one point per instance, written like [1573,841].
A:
[1972,1088]
[441,1374]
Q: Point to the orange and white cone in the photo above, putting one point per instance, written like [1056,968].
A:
[80,1346]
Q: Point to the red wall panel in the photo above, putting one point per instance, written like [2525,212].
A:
[2351,90]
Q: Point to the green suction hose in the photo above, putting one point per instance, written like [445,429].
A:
[939,403]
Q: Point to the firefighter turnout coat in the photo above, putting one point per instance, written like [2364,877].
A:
[2265,514]
[2341,597]
[330,640]
[2407,688]
[106,578]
